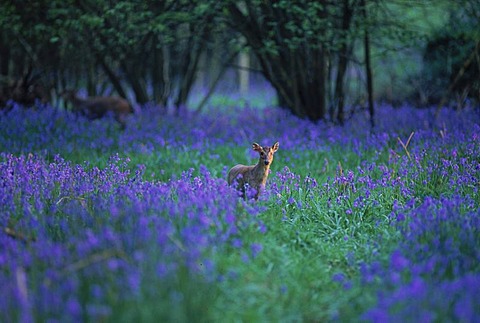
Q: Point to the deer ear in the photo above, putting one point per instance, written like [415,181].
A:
[275,146]
[256,147]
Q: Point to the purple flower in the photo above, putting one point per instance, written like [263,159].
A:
[74,308]
[237,243]
[338,277]
[256,248]
[398,261]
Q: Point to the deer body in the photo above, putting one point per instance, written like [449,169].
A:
[256,175]
[97,107]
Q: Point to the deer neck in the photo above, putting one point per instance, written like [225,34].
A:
[261,170]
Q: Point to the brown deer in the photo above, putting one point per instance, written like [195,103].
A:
[256,175]
[97,107]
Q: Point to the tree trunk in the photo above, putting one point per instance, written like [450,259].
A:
[344,53]
[4,60]
[160,75]
[192,53]
[166,80]
[243,72]
[368,67]
[190,63]
[136,81]
[339,95]
[156,75]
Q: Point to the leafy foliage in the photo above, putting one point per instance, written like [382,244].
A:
[128,42]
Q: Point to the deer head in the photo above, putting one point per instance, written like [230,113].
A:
[266,153]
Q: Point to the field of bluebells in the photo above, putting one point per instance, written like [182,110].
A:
[99,224]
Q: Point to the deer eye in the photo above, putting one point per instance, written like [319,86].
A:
[262,154]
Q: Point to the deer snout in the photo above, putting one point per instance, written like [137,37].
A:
[266,162]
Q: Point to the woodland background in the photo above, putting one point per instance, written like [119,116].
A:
[319,56]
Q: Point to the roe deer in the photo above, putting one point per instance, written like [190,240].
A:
[99,106]
[256,175]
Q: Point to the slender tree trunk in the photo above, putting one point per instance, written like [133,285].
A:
[167,83]
[191,63]
[345,48]
[190,58]
[244,73]
[4,60]
[368,67]
[156,75]
[339,95]
[136,81]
